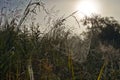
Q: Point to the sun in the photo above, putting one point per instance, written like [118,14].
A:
[88,7]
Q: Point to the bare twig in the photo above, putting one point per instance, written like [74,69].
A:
[76,21]
[70,15]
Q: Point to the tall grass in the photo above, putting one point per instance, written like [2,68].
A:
[26,53]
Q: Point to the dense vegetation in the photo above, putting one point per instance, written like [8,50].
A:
[28,54]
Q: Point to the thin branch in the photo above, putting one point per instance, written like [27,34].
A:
[70,15]
[76,21]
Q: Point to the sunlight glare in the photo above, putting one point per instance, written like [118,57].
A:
[88,7]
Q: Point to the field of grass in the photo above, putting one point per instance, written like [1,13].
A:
[26,53]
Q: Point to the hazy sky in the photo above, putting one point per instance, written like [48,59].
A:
[108,7]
